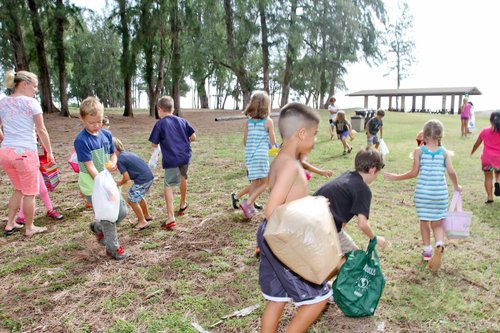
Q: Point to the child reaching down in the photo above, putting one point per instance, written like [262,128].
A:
[431,193]
[132,167]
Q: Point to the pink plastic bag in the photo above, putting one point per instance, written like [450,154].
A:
[73,162]
[457,222]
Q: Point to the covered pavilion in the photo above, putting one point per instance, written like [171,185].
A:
[418,92]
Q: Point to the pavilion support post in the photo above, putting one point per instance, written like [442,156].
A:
[423,103]
[390,102]
[402,104]
[413,103]
[443,105]
[459,103]
[366,102]
[452,104]
[378,102]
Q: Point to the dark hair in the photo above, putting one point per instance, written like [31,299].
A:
[381,113]
[367,158]
[495,120]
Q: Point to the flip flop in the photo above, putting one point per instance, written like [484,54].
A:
[183,210]
[39,230]
[12,231]
[168,225]
[143,227]
[149,219]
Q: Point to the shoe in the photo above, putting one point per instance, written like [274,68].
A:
[168,226]
[497,189]
[488,201]
[248,210]
[235,201]
[435,262]
[12,231]
[54,214]
[99,235]
[182,211]
[344,153]
[20,220]
[350,149]
[257,252]
[119,255]
[257,206]
[426,255]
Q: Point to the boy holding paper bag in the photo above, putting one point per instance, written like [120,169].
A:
[298,126]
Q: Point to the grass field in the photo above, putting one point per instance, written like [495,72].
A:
[205,269]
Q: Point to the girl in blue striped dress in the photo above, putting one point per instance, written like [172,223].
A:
[259,135]
[430,162]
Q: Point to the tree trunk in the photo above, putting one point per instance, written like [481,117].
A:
[61,57]
[202,94]
[15,34]
[127,66]
[265,45]
[44,78]
[176,56]
[290,56]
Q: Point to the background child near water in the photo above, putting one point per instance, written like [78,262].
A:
[298,127]
[490,158]
[94,147]
[343,128]
[133,168]
[431,193]
[259,134]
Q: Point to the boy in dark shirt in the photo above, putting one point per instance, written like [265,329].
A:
[373,126]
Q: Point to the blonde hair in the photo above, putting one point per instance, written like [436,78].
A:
[433,129]
[259,106]
[118,144]
[12,79]
[91,106]
[341,115]
[166,103]
[294,116]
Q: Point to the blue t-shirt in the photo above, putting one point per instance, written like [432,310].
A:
[172,134]
[95,148]
[137,169]
[374,125]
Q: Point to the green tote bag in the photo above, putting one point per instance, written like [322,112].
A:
[360,283]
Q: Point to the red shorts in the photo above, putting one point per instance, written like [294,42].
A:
[23,169]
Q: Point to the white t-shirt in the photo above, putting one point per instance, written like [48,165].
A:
[18,124]
[333,109]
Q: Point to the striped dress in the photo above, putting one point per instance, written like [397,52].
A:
[256,149]
[431,192]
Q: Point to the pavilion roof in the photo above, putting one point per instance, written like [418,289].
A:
[418,92]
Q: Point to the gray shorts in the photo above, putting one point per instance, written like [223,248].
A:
[173,175]
[346,243]
[279,284]
[373,140]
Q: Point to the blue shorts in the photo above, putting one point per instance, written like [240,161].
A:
[344,134]
[373,140]
[137,192]
[280,284]
[173,175]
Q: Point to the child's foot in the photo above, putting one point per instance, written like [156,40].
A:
[248,210]
[349,150]
[17,227]
[435,262]
[345,152]
[142,226]
[119,254]
[20,220]
[497,189]
[488,201]
[426,255]
[235,201]
[99,235]
[54,214]
[257,252]
[149,219]
[257,206]
[34,230]
[182,211]
[168,225]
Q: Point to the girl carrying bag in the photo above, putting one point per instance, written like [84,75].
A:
[457,222]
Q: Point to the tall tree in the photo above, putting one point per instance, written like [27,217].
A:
[44,77]
[293,44]
[264,32]
[60,24]
[401,44]
[127,62]
[175,29]
[10,21]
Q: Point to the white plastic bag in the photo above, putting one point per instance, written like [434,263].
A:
[303,236]
[105,197]
[155,156]
[384,150]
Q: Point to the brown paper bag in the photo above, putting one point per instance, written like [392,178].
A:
[303,236]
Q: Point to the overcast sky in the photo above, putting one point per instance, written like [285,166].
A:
[456,46]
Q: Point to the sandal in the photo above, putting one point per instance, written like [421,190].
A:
[142,227]
[182,210]
[12,231]
[149,219]
[168,225]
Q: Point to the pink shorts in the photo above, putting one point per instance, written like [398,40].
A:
[23,170]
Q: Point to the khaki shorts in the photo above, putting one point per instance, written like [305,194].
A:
[173,175]
[346,243]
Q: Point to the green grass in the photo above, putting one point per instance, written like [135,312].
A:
[206,268]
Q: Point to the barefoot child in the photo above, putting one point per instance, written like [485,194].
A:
[132,167]
[174,135]
[298,127]
[94,148]
[490,158]
[431,193]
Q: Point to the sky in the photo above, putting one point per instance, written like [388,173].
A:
[456,46]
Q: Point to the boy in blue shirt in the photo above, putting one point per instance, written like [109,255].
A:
[373,126]
[94,147]
[174,135]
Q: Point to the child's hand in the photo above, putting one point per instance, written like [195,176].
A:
[110,166]
[389,176]
[382,243]
[326,173]
[458,188]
